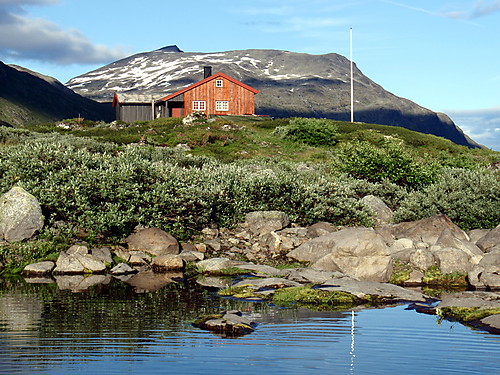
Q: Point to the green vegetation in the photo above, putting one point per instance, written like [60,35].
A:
[466,314]
[400,273]
[315,298]
[434,276]
[98,181]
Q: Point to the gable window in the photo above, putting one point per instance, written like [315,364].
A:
[219,83]
[199,105]
[222,105]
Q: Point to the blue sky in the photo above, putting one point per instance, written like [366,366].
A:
[441,54]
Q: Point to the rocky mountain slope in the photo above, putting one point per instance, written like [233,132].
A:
[290,84]
[29,97]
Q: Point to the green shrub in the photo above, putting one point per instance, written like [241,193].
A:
[310,131]
[468,197]
[386,160]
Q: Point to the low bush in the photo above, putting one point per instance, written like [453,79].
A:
[386,160]
[310,131]
[468,197]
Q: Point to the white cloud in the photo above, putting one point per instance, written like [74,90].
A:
[24,38]
[482,125]
[479,9]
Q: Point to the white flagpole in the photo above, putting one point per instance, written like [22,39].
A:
[352,80]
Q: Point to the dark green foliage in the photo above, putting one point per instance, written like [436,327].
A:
[470,198]
[310,131]
[387,160]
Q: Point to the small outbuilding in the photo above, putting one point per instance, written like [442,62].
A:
[130,107]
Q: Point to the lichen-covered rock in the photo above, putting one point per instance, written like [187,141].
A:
[227,324]
[490,240]
[153,241]
[382,213]
[261,222]
[20,215]
[40,268]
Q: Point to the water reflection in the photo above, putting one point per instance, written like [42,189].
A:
[113,328]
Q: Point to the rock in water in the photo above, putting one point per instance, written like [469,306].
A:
[153,241]
[20,215]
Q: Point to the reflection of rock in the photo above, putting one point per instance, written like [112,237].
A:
[122,269]
[39,280]
[151,282]
[214,282]
[19,312]
[228,324]
[79,282]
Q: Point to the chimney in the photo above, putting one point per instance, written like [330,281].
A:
[207,71]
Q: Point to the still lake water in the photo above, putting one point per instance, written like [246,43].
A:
[111,329]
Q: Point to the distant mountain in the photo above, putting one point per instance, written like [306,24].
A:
[290,84]
[29,97]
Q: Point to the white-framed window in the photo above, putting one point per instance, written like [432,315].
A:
[219,83]
[222,105]
[199,105]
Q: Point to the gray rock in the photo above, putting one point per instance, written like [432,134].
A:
[103,254]
[491,324]
[90,264]
[20,215]
[216,264]
[476,234]
[388,292]
[67,264]
[153,241]
[357,252]
[214,282]
[320,229]
[451,239]
[490,240]
[166,263]
[382,213]
[261,222]
[40,268]
[228,324]
[470,299]
[422,259]
[309,275]
[122,269]
[260,269]
[267,283]
[451,260]
[426,230]
[78,249]
[214,244]
[192,256]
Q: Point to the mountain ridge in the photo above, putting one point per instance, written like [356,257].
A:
[290,84]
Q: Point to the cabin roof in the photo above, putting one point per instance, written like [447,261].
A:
[208,79]
[134,98]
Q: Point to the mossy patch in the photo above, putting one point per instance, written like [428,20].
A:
[241,292]
[466,314]
[400,273]
[306,296]
[434,276]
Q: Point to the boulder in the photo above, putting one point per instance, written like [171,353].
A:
[491,324]
[192,256]
[386,292]
[103,254]
[153,241]
[426,230]
[40,268]
[216,264]
[228,324]
[486,274]
[261,222]
[166,263]
[76,263]
[451,239]
[422,259]
[382,213]
[357,252]
[122,269]
[309,275]
[490,240]
[476,234]
[320,229]
[20,215]
[451,260]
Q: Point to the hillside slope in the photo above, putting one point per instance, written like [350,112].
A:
[28,97]
[290,84]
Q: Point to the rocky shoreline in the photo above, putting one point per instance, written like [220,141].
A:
[325,264]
